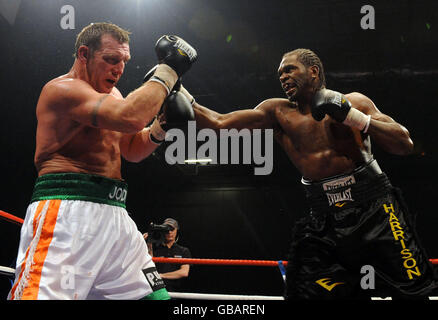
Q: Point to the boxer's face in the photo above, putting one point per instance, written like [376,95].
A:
[107,64]
[294,77]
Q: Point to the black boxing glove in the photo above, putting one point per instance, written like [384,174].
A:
[179,87]
[175,113]
[336,105]
[176,53]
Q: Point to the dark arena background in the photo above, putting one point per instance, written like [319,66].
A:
[225,211]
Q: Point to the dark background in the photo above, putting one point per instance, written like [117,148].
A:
[224,210]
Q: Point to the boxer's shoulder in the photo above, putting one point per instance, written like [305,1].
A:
[274,103]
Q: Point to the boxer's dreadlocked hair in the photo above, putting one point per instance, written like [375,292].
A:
[90,35]
[309,59]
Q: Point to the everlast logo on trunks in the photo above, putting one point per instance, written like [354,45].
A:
[344,195]
[118,194]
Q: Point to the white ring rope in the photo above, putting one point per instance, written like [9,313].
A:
[7,271]
[212,296]
[10,272]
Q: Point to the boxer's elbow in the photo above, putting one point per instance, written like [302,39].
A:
[133,125]
[130,121]
[404,145]
[137,125]
[407,145]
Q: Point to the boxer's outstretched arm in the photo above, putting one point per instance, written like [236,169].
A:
[261,117]
[385,131]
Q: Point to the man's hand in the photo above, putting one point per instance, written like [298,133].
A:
[176,111]
[175,57]
[336,105]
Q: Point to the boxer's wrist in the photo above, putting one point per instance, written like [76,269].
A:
[166,76]
[357,119]
[156,132]
[187,95]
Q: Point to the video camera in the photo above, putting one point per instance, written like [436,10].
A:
[157,232]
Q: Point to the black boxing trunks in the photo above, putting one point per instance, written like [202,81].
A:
[358,241]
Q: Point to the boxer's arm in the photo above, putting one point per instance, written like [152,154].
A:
[175,113]
[79,101]
[261,117]
[385,131]
[137,146]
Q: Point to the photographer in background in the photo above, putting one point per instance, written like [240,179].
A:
[161,240]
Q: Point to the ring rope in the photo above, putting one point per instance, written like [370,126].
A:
[6,271]
[203,296]
[229,262]
[214,296]
[11,218]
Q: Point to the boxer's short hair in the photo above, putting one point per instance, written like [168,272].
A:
[91,35]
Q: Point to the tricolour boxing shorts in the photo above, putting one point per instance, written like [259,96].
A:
[78,242]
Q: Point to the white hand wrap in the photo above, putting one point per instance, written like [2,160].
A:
[187,95]
[166,76]
[357,119]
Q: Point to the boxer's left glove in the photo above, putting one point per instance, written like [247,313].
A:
[176,53]
[336,105]
[175,57]
[175,113]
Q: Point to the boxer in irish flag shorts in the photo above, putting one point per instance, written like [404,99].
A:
[356,218]
[77,240]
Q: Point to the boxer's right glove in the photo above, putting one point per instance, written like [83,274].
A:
[337,106]
[175,57]
[175,113]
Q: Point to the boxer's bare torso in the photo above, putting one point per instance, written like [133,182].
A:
[65,145]
[318,149]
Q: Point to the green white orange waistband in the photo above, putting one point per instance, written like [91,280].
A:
[80,186]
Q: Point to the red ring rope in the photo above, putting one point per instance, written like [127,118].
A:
[230,262]
[11,218]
